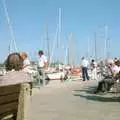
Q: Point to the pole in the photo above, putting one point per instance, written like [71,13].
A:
[108,47]
[48,43]
[59,34]
[88,48]
[105,46]
[12,41]
[95,46]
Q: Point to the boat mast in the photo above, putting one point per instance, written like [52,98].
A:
[54,45]
[66,53]
[95,40]
[108,47]
[59,34]
[48,43]
[107,43]
[106,39]
[69,56]
[88,48]
[12,46]
[71,52]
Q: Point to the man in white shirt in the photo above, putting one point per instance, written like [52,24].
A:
[43,60]
[42,64]
[84,66]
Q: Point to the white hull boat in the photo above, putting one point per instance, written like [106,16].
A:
[56,75]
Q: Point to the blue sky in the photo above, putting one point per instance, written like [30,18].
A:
[81,17]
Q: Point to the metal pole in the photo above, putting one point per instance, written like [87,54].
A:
[108,47]
[88,48]
[105,47]
[68,52]
[54,44]
[48,43]
[12,41]
[70,49]
[95,46]
[59,34]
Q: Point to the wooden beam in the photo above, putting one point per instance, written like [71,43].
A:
[23,104]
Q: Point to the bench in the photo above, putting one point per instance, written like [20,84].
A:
[15,90]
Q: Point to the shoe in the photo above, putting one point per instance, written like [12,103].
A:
[95,92]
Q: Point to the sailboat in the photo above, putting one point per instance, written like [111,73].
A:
[58,71]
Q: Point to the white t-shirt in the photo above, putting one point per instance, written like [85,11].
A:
[26,62]
[42,61]
[93,65]
[85,63]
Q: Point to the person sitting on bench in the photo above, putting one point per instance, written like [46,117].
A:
[109,78]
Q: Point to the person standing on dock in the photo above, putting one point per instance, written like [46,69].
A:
[42,65]
[93,66]
[84,66]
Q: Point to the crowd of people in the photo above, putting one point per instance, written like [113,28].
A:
[20,62]
[111,75]
[85,66]
[109,69]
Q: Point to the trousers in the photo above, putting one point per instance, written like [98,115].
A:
[85,73]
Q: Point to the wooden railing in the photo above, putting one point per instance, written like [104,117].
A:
[14,96]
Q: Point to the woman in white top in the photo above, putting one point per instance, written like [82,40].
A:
[93,70]
[26,62]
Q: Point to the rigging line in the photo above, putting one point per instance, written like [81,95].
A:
[54,44]
[10,27]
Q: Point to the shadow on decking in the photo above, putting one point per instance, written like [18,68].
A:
[87,93]
[89,90]
[99,98]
